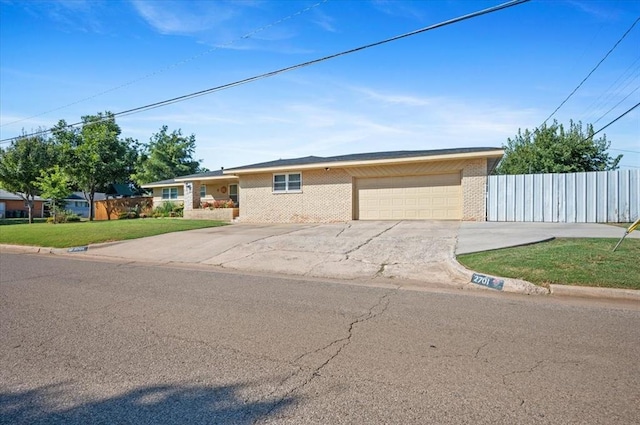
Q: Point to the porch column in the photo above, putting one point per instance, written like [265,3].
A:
[191,196]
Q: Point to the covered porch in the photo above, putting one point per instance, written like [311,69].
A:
[211,196]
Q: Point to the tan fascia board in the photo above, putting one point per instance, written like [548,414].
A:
[151,186]
[498,153]
[200,179]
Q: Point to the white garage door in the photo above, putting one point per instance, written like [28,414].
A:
[435,197]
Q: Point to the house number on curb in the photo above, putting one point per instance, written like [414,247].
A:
[489,282]
[78,249]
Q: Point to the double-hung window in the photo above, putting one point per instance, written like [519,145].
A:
[169,193]
[203,191]
[285,183]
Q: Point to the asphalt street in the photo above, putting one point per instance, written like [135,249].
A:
[94,341]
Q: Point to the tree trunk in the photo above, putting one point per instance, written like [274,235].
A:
[30,209]
[92,194]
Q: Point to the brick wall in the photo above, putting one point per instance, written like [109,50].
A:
[15,208]
[474,180]
[326,197]
[219,214]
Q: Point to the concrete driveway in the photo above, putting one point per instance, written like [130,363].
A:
[416,250]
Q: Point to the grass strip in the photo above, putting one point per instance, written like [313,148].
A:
[67,235]
[564,261]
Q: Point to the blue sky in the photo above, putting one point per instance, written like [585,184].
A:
[474,83]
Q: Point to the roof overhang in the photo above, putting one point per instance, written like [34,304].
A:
[209,178]
[494,153]
[154,185]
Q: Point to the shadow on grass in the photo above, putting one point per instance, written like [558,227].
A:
[10,221]
[161,404]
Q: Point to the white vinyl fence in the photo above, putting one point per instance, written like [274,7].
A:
[594,197]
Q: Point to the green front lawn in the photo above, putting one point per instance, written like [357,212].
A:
[584,262]
[67,235]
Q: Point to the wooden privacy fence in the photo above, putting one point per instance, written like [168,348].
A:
[110,209]
[594,197]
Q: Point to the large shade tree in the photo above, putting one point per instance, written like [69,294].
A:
[22,163]
[167,155]
[554,149]
[94,154]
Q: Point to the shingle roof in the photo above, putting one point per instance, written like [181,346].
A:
[307,160]
[10,196]
[372,156]
[214,173]
[160,182]
[180,179]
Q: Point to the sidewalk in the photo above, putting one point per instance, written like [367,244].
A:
[485,236]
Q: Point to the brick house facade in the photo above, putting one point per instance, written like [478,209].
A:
[447,184]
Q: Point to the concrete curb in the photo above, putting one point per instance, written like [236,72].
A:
[510,285]
[594,292]
[528,288]
[27,248]
[456,269]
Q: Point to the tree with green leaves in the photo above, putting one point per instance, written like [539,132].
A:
[167,155]
[94,155]
[22,163]
[552,149]
[54,185]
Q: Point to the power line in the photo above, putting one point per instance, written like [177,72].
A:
[616,105]
[617,118]
[175,64]
[619,85]
[624,150]
[294,67]
[593,70]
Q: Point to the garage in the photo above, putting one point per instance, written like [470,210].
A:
[426,197]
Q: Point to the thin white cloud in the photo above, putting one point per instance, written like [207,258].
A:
[70,15]
[324,21]
[177,17]
[591,8]
[397,99]
[399,9]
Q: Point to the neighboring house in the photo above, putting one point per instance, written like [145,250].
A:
[13,206]
[444,184]
[78,203]
[121,190]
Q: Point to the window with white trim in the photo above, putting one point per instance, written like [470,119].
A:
[284,183]
[169,193]
[203,190]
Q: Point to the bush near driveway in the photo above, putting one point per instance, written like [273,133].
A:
[67,235]
[583,262]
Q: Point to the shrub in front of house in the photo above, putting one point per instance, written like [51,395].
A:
[168,209]
[224,203]
[64,217]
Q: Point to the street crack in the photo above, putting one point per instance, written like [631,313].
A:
[376,310]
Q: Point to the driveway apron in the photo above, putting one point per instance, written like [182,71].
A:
[415,250]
